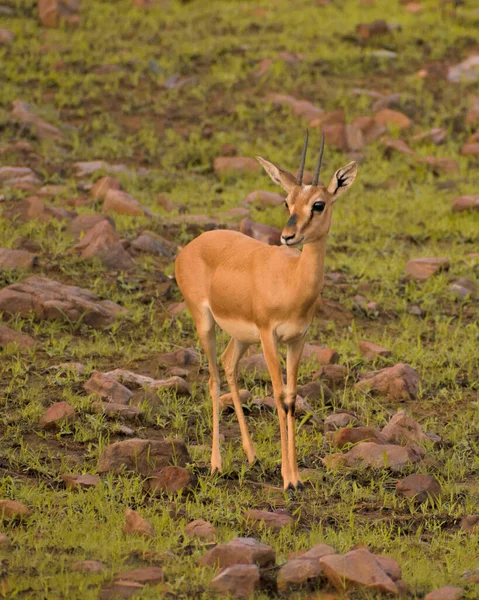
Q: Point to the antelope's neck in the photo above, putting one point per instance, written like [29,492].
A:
[310,273]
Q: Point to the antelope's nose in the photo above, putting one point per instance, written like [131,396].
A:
[286,238]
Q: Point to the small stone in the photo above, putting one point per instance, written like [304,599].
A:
[470,524]
[271,520]
[400,382]
[103,242]
[106,387]
[403,429]
[371,351]
[338,420]
[333,375]
[114,409]
[11,509]
[314,391]
[142,575]
[52,12]
[358,567]
[201,529]
[263,233]
[169,480]
[6,37]
[318,551]
[240,551]
[166,203]
[235,164]
[56,414]
[370,128]
[120,590]
[4,541]
[25,113]
[264,198]
[240,581]
[390,566]
[464,203]
[445,593]
[254,366]
[394,118]
[153,244]
[440,164]
[184,357]
[83,223]
[377,456]
[353,435]
[324,356]
[421,269]
[298,573]
[376,28]
[123,204]
[334,117]
[470,149]
[335,135]
[226,400]
[436,135]
[17,259]
[136,524]
[10,336]
[88,566]
[76,482]
[419,487]
[398,145]
[104,185]
[354,138]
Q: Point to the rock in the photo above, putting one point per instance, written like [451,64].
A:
[52,12]
[356,568]
[420,269]
[166,203]
[392,100]
[403,429]
[104,185]
[153,244]
[324,356]
[271,520]
[226,400]
[314,391]
[469,150]
[264,198]
[103,242]
[466,71]
[174,384]
[108,388]
[169,480]
[136,524]
[84,223]
[240,551]
[470,524]
[120,590]
[398,145]
[76,482]
[436,135]
[352,435]
[6,37]
[5,541]
[335,135]
[184,357]
[10,336]
[11,509]
[377,456]
[390,566]
[35,209]
[372,351]
[143,456]
[306,109]
[122,203]
[463,203]
[445,593]
[7,173]
[333,375]
[25,113]
[368,30]
[239,580]
[298,573]
[400,382]
[334,117]
[258,231]
[17,259]
[115,409]
[255,366]
[56,414]
[235,164]
[354,138]
[317,552]
[337,420]
[88,566]
[142,575]
[370,128]
[419,487]
[394,118]
[201,529]
[441,165]
[51,300]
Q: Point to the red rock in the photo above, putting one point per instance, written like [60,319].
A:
[372,351]
[393,118]
[34,208]
[291,57]
[183,357]
[441,165]
[166,203]
[368,30]
[120,590]
[370,128]
[264,198]
[153,244]
[10,336]
[108,388]
[333,375]
[5,541]
[352,435]
[271,520]
[143,456]
[470,524]
[335,117]
[263,67]
[317,552]
[103,242]
[53,416]
[52,12]
[226,400]
[169,480]
[315,390]
[7,173]
[13,510]
[463,288]
[115,409]
[324,356]
[470,150]
[239,164]
[403,429]
[123,204]
[263,233]
[466,71]
[17,259]
[175,384]
[298,573]
[25,114]
[376,456]
[76,482]
[445,593]
[136,524]
[436,135]
[201,529]
[240,581]
[142,575]
[419,487]
[463,203]
[84,223]
[400,382]
[306,109]
[6,37]
[50,299]
[354,138]
[420,269]
[280,99]
[104,185]
[472,115]
[398,145]
[88,566]
[337,420]
[240,551]
[390,566]
[413,7]
[335,135]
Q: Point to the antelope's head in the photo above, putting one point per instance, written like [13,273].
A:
[310,206]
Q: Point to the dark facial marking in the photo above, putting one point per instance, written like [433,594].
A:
[292,221]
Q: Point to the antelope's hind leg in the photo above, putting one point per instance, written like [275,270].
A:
[205,324]
[231,357]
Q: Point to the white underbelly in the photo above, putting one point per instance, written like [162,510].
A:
[290,331]
[242,331]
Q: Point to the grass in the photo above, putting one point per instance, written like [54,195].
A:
[103,84]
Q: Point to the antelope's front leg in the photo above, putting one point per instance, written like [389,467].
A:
[293,358]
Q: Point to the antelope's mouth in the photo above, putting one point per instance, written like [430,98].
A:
[293,242]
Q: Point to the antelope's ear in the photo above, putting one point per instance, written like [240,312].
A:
[342,180]
[283,178]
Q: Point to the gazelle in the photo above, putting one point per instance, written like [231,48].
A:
[257,292]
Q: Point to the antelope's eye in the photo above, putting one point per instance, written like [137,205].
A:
[319,206]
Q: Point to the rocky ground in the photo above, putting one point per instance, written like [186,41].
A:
[127,129]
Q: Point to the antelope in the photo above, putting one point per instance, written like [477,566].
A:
[261,293]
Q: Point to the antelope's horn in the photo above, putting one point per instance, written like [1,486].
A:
[303,160]
[318,168]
